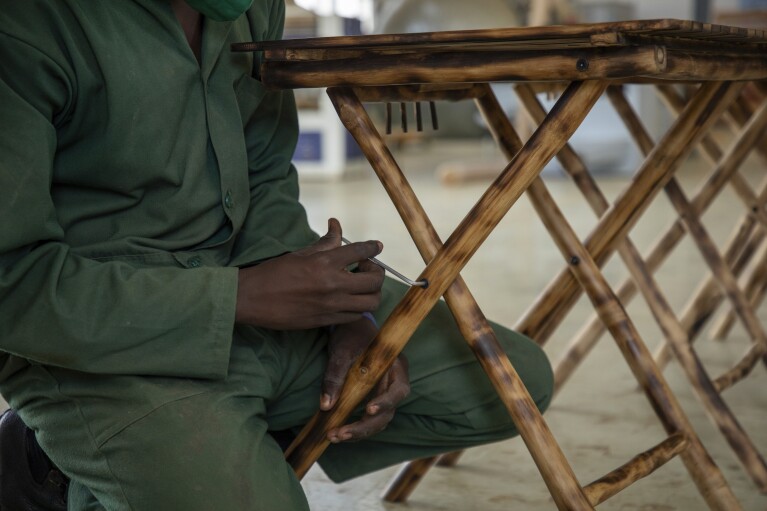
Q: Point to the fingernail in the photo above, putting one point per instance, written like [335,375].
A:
[346,436]
[372,410]
[325,401]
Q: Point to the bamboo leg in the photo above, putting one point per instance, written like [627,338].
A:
[702,468]
[546,313]
[442,270]
[449,459]
[407,479]
[411,474]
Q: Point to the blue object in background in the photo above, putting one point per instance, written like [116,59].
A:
[309,146]
[750,5]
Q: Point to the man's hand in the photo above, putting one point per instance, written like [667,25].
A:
[311,287]
[346,343]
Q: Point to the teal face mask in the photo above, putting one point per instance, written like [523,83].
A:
[221,10]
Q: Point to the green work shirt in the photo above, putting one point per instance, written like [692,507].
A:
[133,182]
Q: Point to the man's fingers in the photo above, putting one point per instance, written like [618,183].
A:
[361,283]
[356,252]
[335,376]
[366,427]
[395,394]
[331,240]
[393,388]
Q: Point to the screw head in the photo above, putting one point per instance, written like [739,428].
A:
[582,65]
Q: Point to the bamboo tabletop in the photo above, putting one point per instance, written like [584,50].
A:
[663,49]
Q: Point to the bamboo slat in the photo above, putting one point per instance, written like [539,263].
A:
[469,67]
[639,467]
[556,35]
[632,50]
[740,370]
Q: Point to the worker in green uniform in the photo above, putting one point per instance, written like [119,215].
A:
[168,320]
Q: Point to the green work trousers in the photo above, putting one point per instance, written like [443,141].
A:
[149,443]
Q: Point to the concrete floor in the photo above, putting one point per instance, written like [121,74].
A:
[599,419]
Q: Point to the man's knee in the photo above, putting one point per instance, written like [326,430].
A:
[202,453]
[532,365]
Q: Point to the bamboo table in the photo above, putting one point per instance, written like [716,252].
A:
[590,60]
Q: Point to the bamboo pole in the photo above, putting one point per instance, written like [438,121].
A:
[450,459]
[467,67]
[705,196]
[755,290]
[640,466]
[407,479]
[740,371]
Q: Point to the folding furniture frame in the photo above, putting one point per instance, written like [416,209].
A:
[589,61]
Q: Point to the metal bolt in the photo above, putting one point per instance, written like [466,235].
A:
[363,370]
[582,65]
[575,260]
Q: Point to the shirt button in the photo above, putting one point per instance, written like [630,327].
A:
[194,262]
[228,201]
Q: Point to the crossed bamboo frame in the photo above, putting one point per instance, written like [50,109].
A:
[592,59]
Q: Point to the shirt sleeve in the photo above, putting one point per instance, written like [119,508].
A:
[61,309]
[276,221]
